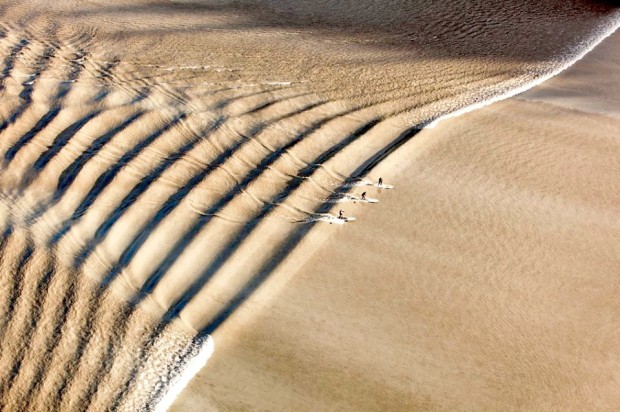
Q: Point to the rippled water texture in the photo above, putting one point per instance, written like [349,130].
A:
[160,159]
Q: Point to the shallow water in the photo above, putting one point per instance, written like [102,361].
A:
[156,154]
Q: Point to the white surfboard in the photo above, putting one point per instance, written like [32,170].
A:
[383,186]
[367,200]
[350,198]
[332,219]
[367,183]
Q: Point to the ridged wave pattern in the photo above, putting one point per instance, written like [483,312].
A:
[138,214]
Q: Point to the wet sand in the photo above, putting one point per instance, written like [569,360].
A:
[486,280]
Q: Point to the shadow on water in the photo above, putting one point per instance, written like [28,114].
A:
[288,245]
[41,289]
[180,245]
[207,216]
[118,330]
[25,96]
[137,191]
[176,198]
[18,277]
[44,121]
[247,230]
[69,174]
[3,243]
[108,176]
[129,199]
[292,241]
[170,203]
[9,61]
[28,136]
[62,139]
[54,339]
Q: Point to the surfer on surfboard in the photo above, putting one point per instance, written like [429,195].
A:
[341,215]
[364,196]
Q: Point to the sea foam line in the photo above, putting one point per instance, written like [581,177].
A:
[205,347]
[606,31]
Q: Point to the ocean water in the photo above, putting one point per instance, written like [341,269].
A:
[161,159]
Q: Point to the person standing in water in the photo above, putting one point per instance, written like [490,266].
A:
[380,182]
[364,196]
[341,215]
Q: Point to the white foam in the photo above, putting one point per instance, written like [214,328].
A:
[193,366]
[351,198]
[191,67]
[327,217]
[280,83]
[579,52]
[368,183]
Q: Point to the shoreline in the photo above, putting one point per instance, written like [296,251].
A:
[611,28]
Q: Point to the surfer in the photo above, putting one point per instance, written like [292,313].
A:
[364,196]
[341,215]
[380,182]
